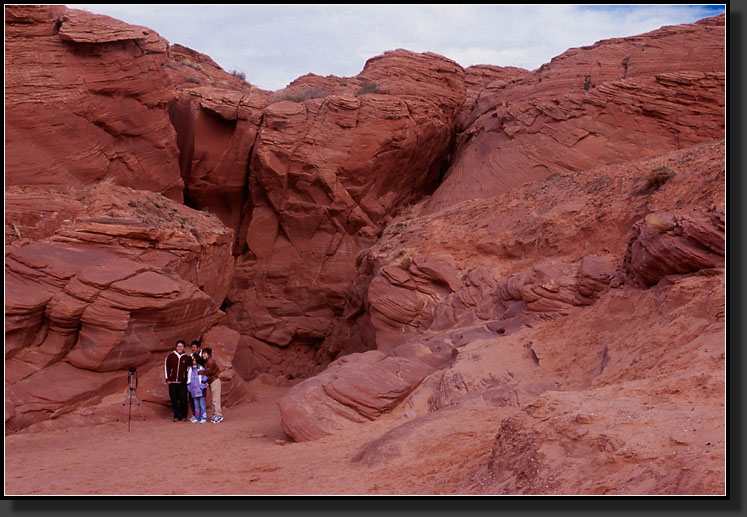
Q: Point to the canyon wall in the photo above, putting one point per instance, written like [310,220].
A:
[420,239]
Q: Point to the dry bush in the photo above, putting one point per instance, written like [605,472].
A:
[300,96]
[368,87]
[658,177]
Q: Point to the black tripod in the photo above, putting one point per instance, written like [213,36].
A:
[132,381]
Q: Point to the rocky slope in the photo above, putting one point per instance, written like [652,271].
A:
[610,102]
[525,266]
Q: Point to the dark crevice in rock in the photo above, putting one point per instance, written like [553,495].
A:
[183,123]
[247,204]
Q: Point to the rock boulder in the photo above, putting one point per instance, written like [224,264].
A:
[355,388]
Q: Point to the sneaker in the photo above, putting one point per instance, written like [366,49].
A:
[203,421]
[218,419]
[174,419]
[193,420]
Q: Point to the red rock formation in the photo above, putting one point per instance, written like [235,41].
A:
[400,308]
[472,287]
[484,81]
[355,388]
[605,400]
[484,261]
[639,412]
[326,171]
[86,99]
[216,118]
[113,285]
[617,100]
[672,243]
[515,299]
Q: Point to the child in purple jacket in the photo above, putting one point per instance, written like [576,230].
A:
[196,385]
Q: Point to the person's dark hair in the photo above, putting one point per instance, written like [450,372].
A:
[196,342]
[209,351]
[182,342]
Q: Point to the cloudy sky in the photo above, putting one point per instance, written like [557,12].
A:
[275,44]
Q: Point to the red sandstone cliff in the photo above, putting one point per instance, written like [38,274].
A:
[86,99]
[538,253]
[607,103]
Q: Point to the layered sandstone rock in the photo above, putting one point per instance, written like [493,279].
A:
[216,117]
[332,160]
[616,100]
[86,99]
[112,285]
[484,81]
[533,252]
[355,388]
[603,401]
[659,415]
[436,285]
[675,243]
[514,299]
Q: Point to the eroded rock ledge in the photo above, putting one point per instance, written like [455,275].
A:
[111,282]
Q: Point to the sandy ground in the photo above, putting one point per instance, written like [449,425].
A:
[239,456]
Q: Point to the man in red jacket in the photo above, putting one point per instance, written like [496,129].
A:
[212,372]
[175,371]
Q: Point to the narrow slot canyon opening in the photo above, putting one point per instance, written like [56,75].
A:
[183,123]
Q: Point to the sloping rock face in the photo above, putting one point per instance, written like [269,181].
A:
[332,160]
[111,281]
[355,388]
[603,401]
[645,416]
[536,251]
[487,270]
[481,81]
[611,102]
[86,99]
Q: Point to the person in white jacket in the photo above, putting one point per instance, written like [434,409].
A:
[196,385]
[175,375]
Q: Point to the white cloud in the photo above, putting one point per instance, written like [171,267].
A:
[275,44]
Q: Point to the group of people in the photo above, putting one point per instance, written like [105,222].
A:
[189,376]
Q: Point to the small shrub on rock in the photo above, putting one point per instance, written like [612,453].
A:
[658,177]
[190,64]
[238,73]
[300,96]
[368,87]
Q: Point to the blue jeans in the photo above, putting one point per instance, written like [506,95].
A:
[199,407]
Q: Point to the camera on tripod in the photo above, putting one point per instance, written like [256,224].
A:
[132,378]
[132,382]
